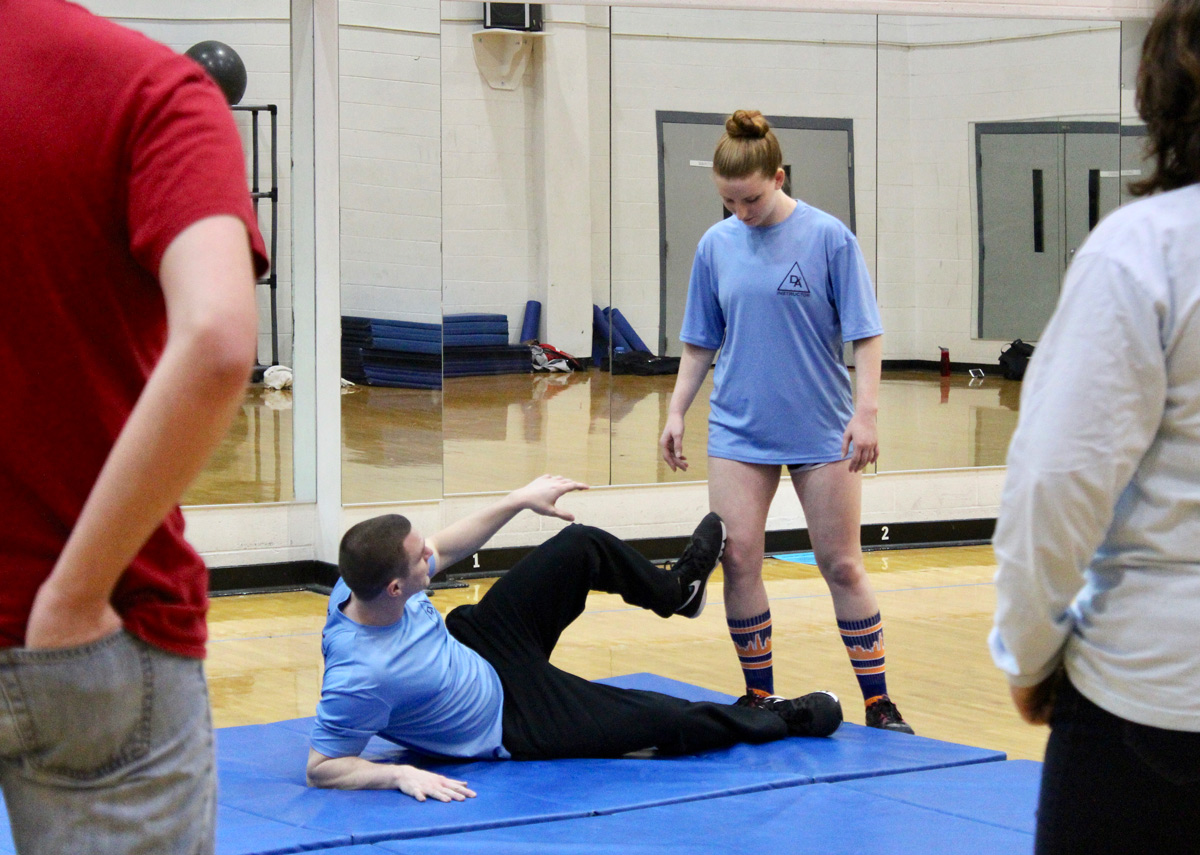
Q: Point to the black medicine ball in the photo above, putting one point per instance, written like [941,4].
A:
[223,65]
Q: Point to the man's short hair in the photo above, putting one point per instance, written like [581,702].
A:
[372,554]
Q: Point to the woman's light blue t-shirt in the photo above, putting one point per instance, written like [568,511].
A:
[779,302]
[411,683]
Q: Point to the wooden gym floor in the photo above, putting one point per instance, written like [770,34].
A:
[265,650]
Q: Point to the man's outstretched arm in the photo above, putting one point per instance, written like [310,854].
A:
[468,535]
[355,773]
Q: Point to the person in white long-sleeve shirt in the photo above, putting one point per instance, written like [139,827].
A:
[1098,538]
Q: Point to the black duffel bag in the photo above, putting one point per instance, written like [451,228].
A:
[1014,359]
[645,364]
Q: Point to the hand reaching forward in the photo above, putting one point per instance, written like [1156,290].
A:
[420,784]
[541,494]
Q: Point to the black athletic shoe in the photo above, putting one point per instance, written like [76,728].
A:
[698,561]
[882,713]
[814,714]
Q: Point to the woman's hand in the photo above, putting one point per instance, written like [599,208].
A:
[671,443]
[863,435]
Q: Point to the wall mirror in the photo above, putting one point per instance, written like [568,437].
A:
[555,169]
[676,74]
[391,266]
[525,233]
[1135,162]
[254,463]
[998,150]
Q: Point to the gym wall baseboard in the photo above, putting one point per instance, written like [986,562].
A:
[320,576]
[934,367]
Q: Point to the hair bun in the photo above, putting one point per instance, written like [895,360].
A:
[747,124]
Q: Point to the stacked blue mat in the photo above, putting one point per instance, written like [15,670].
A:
[379,352]
[415,355]
[844,794]
[477,343]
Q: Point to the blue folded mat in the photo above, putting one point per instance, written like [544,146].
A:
[468,317]
[405,344]
[265,807]
[821,818]
[1001,794]
[454,339]
[499,325]
[262,772]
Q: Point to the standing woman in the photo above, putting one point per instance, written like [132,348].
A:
[779,288]
[1098,536]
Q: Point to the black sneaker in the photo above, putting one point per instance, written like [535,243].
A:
[814,714]
[698,561]
[882,713]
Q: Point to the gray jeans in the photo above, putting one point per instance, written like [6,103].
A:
[106,748]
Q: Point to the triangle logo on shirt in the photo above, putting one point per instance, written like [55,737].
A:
[794,282]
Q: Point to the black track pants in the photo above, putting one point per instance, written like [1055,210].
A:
[549,713]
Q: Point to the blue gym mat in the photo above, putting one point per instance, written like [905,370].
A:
[820,818]
[264,807]
[242,833]
[261,769]
[1000,794]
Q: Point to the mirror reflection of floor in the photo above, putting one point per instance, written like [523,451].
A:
[490,434]
[254,461]
[264,653]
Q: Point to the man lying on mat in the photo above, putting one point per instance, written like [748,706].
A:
[480,685]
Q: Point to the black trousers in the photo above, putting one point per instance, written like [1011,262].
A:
[549,713]
[1113,786]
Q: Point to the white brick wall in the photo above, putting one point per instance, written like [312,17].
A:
[490,182]
[390,122]
[784,64]
[937,77]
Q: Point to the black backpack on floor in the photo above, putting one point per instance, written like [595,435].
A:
[1014,359]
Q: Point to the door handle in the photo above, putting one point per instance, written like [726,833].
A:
[1039,226]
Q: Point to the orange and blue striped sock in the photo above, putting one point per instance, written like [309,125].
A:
[864,642]
[752,639]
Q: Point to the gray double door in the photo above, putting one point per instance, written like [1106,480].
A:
[1042,187]
[818,157]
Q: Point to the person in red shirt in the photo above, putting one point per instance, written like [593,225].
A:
[128,255]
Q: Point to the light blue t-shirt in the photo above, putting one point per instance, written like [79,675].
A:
[411,683]
[779,301]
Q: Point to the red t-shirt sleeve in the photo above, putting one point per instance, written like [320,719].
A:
[186,162]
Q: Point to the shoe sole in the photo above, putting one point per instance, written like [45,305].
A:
[704,582]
